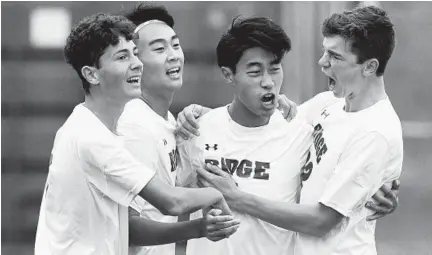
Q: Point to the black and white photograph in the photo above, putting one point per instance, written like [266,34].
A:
[216,128]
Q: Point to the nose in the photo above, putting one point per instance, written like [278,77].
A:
[324,61]
[136,64]
[173,55]
[267,81]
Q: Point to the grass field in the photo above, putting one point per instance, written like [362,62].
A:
[407,231]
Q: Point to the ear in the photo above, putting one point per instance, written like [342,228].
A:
[370,67]
[227,74]
[90,74]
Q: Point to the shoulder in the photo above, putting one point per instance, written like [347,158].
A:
[214,116]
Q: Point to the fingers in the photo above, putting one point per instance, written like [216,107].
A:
[187,125]
[375,216]
[222,233]
[203,175]
[377,208]
[287,107]
[396,186]
[215,170]
[382,200]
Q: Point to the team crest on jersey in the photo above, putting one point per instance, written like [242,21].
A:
[213,147]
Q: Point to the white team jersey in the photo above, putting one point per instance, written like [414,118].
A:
[264,161]
[353,155]
[92,180]
[150,138]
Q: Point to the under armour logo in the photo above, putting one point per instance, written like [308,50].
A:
[325,114]
[165,142]
[214,147]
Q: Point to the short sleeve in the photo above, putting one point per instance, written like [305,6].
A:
[141,144]
[359,173]
[112,169]
[190,158]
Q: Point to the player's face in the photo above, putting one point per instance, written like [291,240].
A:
[340,65]
[257,81]
[120,72]
[162,57]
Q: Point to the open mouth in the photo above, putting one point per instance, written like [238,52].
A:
[134,79]
[331,83]
[173,72]
[268,98]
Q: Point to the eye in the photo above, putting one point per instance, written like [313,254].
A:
[275,69]
[254,73]
[160,49]
[122,57]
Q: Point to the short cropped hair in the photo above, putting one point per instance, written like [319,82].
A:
[147,11]
[89,39]
[249,33]
[369,31]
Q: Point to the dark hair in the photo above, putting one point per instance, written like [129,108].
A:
[90,37]
[146,11]
[248,33]
[368,29]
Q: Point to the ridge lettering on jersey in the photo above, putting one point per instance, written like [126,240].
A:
[320,150]
[243,168]
[173,155]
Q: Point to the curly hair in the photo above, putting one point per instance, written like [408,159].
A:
[368,29]
[249,33]
[90,37]
[147,11]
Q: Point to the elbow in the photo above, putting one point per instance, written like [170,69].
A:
[176,206]
[320,229]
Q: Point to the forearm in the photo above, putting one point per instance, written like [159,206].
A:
[315,220]
[193,199]
[176,200]
[144,232]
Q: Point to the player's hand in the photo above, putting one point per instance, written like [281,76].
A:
[386,201]
[213,176]
[216,226]
[287,107]
[187,124]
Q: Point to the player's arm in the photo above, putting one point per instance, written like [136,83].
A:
[357,177]
[166,198]
[214,226]
[187,125]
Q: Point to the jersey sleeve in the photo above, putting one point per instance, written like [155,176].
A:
[359,173]
[141,144]
[190,158]
[112,169]
[310,109]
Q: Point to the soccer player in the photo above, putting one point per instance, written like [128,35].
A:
[148,128]
[357,143]
[248,138]
[92,178]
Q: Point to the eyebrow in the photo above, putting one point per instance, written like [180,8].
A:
[334,53]
[120,51]
[252,64]
[160,40]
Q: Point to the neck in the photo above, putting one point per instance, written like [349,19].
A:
[243,116]
[373,91]
[158,103]
[107,111]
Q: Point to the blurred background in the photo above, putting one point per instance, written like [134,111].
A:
[38,92]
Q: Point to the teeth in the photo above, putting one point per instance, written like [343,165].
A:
[174,70]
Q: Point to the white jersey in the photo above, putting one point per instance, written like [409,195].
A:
[264,161]
[150,138]
[353,155]
[92,180]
